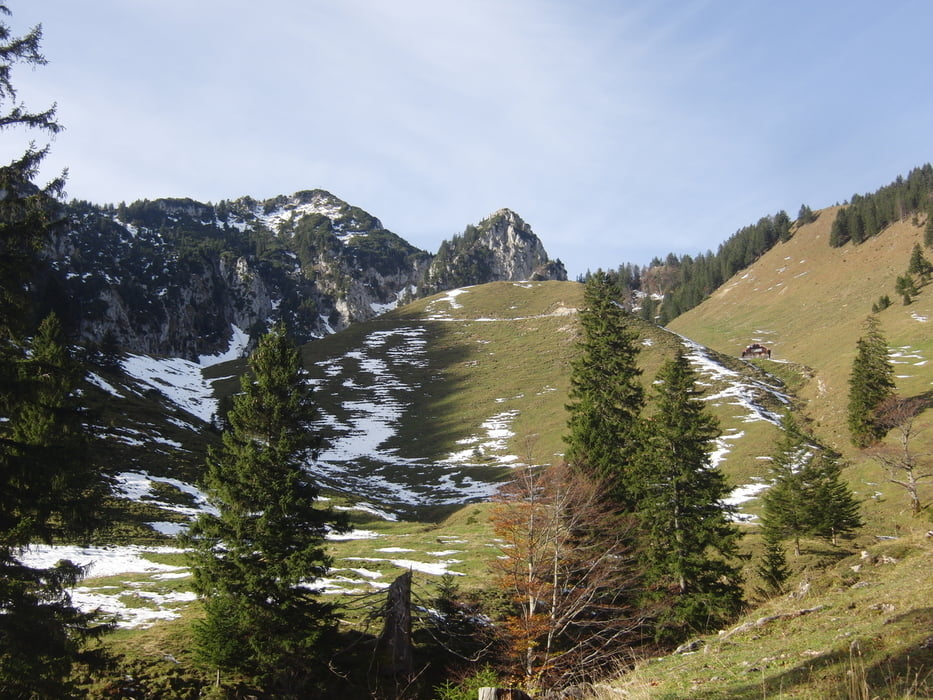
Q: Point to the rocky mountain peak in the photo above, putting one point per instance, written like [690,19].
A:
[518,253]
[177,277]
[501,247]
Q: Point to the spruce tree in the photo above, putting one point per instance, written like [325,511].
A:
[919,265]
[26,210]
[690,543]
[871,382]
[255,561]
[805,215]
[606,395]
[807,495]
[50,491]
[786,505]
[835,510]
[53,490]
[772,569]
[928,230]
[906,286]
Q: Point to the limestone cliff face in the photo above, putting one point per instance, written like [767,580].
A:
[501,247]
[174,277]
[517,253]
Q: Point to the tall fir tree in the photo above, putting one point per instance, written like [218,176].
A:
[255,561]
[928,230]
[690,546]
[49,489]
[786,512]
[919,265]
[52,490]
[26,210]
[906,286]
[871,382]
[606,395]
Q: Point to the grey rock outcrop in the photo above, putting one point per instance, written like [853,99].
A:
[173,277]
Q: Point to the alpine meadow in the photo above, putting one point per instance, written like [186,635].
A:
[270,449]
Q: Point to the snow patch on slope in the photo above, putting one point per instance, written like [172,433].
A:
[179,380]
[739,391]
[238,343]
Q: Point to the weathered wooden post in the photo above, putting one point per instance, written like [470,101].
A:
[395,640]
[503,694]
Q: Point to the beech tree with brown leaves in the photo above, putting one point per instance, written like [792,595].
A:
[569,574]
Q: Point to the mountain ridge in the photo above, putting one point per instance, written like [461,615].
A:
[177,277]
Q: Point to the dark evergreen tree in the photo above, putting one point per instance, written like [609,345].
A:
[781,229]
[786,505]
[835,510]
[25,209]
[919,265]
[51,490]
[805,215]
[839,233]
[48,489]
[884,301]
[606,395]
[871,382]
[690,544]
[772,569]
[255,561]
[807,495]
[906,286]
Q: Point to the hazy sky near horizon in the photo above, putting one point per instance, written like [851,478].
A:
[618,130]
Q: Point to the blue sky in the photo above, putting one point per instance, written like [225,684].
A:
[619,130]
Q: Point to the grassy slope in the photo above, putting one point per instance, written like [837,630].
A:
[870,635]
[859,629]
[509,347]
[809,302]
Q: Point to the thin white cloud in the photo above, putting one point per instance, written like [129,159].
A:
[619,131]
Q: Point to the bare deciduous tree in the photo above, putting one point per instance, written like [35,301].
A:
[905,467]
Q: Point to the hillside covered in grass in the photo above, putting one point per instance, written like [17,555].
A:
[855,620]
[858,627]
[432,404]
[808,302]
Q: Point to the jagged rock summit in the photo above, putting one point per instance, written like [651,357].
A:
[181,278]
[501,247]
[518,253]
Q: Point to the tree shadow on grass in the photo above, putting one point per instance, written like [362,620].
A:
[895,664]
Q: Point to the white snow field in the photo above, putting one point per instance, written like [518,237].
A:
[133,603]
